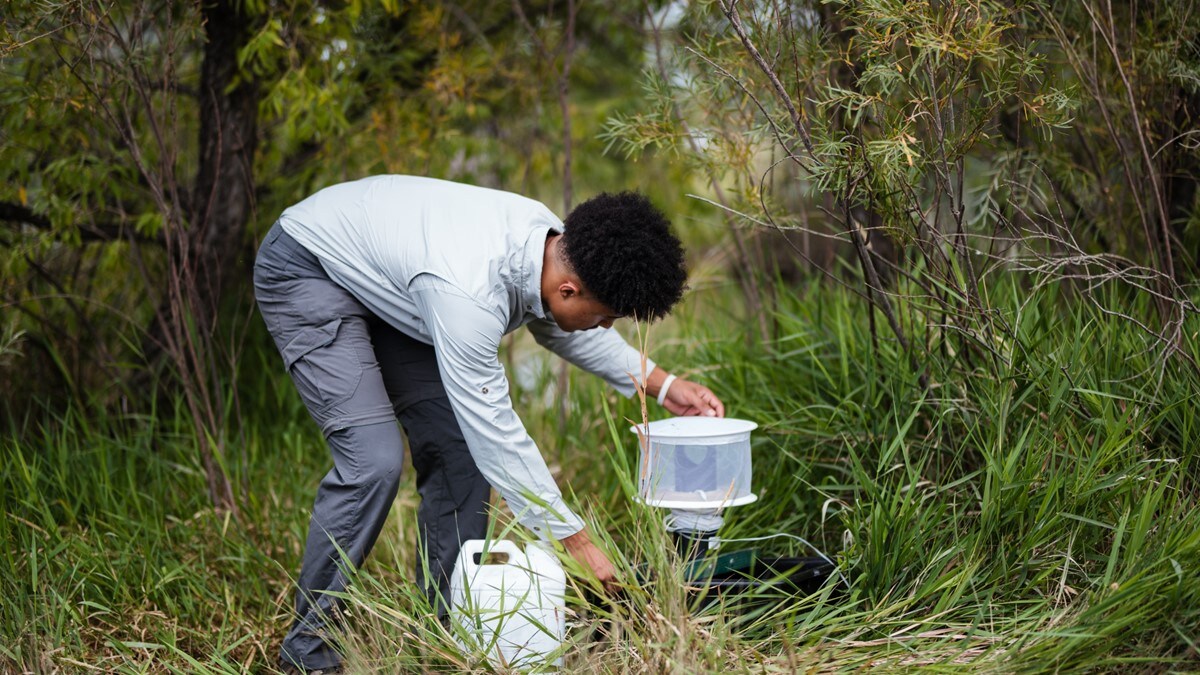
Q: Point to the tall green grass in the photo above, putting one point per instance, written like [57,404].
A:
[1033,515]
[116,561]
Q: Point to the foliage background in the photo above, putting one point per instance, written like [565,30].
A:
[943,252]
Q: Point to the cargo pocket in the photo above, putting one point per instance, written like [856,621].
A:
[326,371]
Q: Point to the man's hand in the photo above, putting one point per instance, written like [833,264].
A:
[690,399]
[581,547]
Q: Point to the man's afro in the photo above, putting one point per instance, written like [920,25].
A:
[623,251]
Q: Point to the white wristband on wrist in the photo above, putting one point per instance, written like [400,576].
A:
[662,393]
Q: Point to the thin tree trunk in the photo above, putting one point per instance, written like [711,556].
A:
[223,195]
[205,252]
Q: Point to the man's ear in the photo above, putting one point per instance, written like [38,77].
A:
[569,289]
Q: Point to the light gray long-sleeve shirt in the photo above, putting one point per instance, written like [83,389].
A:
[459,267]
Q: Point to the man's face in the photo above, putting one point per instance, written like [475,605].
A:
[573,308]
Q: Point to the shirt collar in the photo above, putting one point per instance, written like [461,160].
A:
[534,256]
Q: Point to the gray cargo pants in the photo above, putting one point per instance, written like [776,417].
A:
[358,376]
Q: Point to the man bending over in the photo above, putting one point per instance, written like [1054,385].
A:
[388,298]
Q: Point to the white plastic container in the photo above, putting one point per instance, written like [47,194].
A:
[513,611]
[695,462]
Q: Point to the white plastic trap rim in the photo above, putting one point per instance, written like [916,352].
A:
[694,428]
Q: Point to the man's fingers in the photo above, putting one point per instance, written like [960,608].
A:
[712,403]
[592,558]
[694,400]
[717,405]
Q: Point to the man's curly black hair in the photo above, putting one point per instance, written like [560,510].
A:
[623,251]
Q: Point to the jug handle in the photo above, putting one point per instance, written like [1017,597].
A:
[515,555]
[472,547]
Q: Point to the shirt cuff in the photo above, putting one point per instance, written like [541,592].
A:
[555,521]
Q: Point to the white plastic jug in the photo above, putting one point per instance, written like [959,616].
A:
[514,611]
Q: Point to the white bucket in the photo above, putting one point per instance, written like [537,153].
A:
[513,611]
[699,463]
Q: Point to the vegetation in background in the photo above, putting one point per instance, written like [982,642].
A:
[146,143]
[940,144]
[942,253]
[1016,522]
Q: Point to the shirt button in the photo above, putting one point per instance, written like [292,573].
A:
[485,390]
